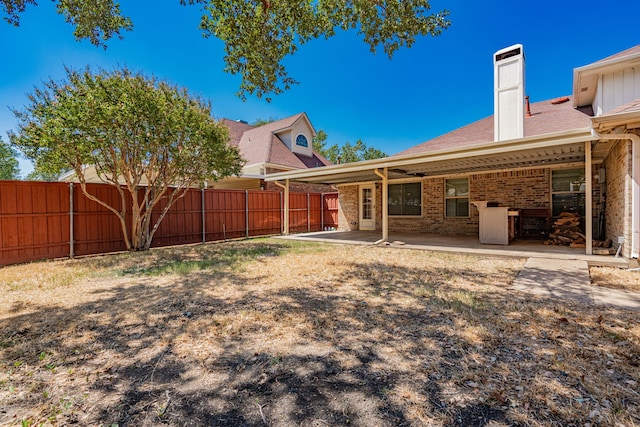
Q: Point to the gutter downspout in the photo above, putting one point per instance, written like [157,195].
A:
[385,205]
[285,186]
[635,184]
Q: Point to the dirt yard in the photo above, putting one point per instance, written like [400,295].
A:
[275,333]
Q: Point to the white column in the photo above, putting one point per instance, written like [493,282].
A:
[385,204]
[589,198]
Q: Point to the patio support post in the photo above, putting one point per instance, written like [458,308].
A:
[635,184]
[285,186]
[589,198]
[385,204]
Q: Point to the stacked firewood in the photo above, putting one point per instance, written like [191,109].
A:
[566,231]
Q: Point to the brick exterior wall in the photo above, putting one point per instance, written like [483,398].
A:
[618,182]
[527,188]
[348,208]
[598,191]
[506,188]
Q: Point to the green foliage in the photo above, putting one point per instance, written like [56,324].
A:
[9,167]
[345,153]
[134,131]
[259,35]
[173,262]
[38,175]
[95,20]
[261,122]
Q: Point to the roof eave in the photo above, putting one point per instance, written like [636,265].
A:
[302,115]
[587,75]
[630,120]
[537,141]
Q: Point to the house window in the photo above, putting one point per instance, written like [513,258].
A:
[456,197]
[301,141]
[567,191]
[405,199]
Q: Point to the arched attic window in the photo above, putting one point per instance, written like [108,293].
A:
[301,141]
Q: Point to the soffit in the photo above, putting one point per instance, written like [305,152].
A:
[514,159]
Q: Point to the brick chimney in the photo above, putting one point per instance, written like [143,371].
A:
[508,93]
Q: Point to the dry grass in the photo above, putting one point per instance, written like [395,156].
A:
[268,332]
[616,278]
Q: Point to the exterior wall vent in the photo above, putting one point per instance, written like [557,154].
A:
[508,66]
[501,55]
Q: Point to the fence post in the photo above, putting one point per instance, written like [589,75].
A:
[308,213]
[321,211]
[246,212]
[71,237]
[204,222]
[281,212]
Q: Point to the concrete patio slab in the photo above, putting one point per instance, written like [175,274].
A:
[468,245]
[555,278]
[569,279]
[550,271]
[616,298]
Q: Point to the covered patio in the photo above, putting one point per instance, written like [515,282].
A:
[577,148]
[464,245]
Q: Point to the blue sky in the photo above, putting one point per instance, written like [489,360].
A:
[436,86]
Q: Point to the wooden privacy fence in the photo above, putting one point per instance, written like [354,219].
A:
[44,220]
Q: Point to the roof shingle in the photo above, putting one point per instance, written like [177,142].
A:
[261,145]
[545,118]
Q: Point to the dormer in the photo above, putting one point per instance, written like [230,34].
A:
[299,136]
[609,83]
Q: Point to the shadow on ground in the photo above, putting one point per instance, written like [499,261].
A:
[370,343]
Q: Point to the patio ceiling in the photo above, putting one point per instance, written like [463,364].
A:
[541,151]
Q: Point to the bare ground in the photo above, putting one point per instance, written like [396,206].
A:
[274,333]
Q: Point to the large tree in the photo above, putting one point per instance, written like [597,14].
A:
[345,153]
[9,166]
[259,34]
[95,20]
[147,138]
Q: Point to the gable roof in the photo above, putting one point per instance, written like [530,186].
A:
[261,144]
[585,78]
[629,107]
[628,52]
[551,116]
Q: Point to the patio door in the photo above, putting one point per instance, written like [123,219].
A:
[367,207]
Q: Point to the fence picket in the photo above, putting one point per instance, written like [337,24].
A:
[45,220]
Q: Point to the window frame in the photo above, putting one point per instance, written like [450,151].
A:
[305,138]
[402,183]
[569,192]
[456,197]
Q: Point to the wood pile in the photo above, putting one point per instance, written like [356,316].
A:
[566,231]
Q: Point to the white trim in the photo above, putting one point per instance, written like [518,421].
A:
[588,199]
[295,142]
[445,198]
[589,75]
[635,185]
[495,147]
[284,129]
[361,220]
[404,180]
